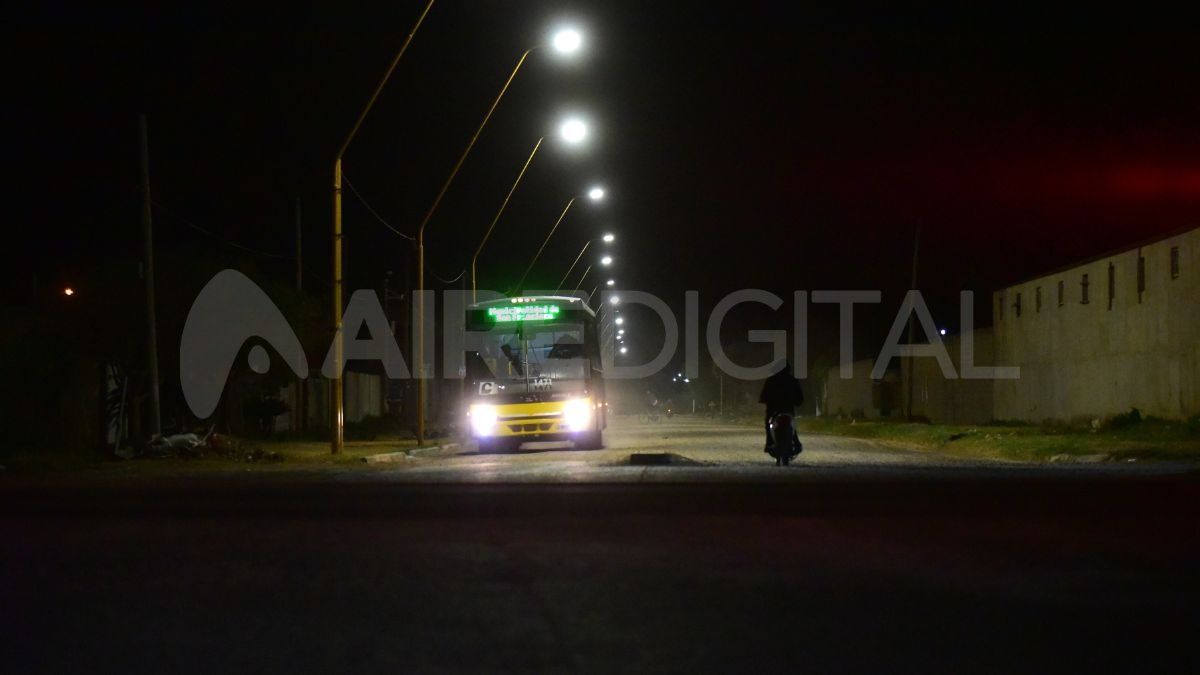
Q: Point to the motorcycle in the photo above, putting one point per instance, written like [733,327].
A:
[785,445]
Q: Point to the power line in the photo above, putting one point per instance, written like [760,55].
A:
[370,210]
[445,281]
[346,179]
[167,212]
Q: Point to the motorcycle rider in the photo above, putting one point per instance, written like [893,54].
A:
[781,393]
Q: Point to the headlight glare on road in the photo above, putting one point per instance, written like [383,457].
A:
[483,419]
[577,414]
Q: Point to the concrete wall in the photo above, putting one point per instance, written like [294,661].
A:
[954,401]
[860,396]
[1083,361]
[941,400]
[363,397]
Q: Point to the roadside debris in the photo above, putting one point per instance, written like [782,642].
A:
[194,446]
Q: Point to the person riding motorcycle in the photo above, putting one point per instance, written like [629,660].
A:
[781,393]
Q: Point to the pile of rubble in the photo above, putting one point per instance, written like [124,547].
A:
[194,446]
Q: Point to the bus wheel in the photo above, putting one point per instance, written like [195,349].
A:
[593,440]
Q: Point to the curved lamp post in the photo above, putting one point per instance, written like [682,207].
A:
[337,413]
[595,194]
[565,42]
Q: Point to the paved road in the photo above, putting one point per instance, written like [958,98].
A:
[862,559]
[712,451]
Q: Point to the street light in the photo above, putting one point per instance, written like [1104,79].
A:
[336,405]
[606,260]
[595,194]
[608,238]
[573,130]
[611,282]
[562,43]
[567,40]
[614,299]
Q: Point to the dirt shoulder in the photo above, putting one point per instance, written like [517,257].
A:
[1149,440]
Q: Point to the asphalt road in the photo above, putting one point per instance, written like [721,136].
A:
[703,450]
[922,565]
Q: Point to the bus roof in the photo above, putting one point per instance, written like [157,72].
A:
[564,301]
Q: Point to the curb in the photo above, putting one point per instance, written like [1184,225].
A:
[405,455]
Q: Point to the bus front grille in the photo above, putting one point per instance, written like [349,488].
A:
[526,428]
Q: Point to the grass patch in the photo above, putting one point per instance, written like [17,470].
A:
[249,455]
[1139,439]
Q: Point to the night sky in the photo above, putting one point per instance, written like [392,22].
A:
[775,145]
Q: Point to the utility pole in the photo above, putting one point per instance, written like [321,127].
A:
[908,407]
[148,278]
[337,421]
[299,250]
[301,413]
[721,383]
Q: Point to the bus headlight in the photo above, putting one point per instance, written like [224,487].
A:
[483,419]
[577,414]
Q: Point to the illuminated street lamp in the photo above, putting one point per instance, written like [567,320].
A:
[606,260]
[576,262]
[596,193]
[611,282]
[614,299]
[573,130]
[68,291]
[567,40]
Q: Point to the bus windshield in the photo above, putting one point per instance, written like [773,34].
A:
[532,357]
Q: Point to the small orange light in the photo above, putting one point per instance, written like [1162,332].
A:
[68,291]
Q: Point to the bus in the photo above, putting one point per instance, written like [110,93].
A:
[534,373]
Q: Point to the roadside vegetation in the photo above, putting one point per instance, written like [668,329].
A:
[219,452]
[240,455]
[1126,437]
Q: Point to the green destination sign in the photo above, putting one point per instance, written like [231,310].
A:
[523,313]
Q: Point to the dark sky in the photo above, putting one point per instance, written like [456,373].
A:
[775,145]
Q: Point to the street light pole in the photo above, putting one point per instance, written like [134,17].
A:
[565,41]
[337,412]
[585,273]
[595,194]
[573,264]
[503,205]
[544,242]
[148,280]
[419,357]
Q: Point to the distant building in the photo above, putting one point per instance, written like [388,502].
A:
[1092,340]
[1119,331]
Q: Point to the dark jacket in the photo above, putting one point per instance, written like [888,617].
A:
[781,392]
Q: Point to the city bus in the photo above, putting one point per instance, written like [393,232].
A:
[534,373]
